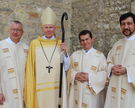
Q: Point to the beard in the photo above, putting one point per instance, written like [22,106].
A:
[128,32]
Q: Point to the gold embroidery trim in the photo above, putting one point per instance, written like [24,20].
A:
[113,89]
[11,70]
[123,91]
[118,48]
[49,42]
[75,64]
[48,83]
[15,91]
[93,68]
[90,88]
[46,89]
[5,50]
[84,105]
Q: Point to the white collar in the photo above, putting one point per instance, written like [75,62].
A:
[132,37]
[11,42]
[44,37]
[88,51]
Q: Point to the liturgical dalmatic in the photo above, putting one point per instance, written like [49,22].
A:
[87,94]
[121,90]
[12,69]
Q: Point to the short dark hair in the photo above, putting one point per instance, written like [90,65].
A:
[17,22]
[126,15]
[84,32]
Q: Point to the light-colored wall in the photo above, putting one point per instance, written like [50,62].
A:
[99,16]
[133,6]
[28,12]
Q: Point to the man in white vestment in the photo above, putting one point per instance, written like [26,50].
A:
[88,74]
[121,67]
[43,66]
[13,53]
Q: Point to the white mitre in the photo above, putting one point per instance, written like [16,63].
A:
[48,17]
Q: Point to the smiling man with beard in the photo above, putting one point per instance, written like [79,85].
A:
[121,67]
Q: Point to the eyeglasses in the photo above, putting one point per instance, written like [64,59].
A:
[16,30]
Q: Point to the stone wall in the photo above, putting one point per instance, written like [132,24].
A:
[133,6]
[99,16]
[28,12]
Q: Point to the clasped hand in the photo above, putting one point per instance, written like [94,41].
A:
[64,48]
[2,99]
[82,77]
[118,70]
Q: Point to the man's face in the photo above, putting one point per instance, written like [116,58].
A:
[48,30]
[86,41]
[128,26]
[15,32]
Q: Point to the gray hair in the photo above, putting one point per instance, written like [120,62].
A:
[15,22]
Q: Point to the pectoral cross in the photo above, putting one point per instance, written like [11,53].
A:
[49,68]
